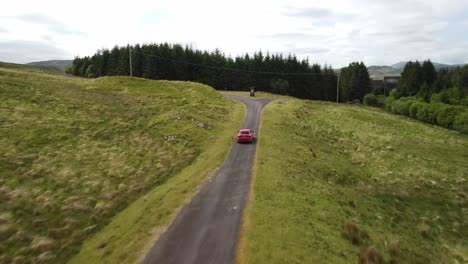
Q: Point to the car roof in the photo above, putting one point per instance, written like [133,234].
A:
[245,129]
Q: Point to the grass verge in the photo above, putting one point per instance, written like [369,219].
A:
[343,184]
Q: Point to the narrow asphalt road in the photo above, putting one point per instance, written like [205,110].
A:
[206,230]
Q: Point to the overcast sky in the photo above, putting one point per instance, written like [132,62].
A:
[333,32]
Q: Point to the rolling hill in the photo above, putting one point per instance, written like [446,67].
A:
[76,152]
[437,66]
[52,64]
[353,184]
[377,72]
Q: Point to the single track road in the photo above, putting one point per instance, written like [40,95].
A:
[207,228]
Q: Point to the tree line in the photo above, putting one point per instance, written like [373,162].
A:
[423,81]
[435,97]
[274,73]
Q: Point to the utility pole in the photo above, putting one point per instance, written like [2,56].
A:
[338,87]
[130,53]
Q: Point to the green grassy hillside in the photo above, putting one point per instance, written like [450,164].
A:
[74,152]
[335,183]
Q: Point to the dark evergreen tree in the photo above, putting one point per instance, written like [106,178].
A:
[354,82]
[411,79]
[270,72]
[429,73]
[76,66]
[425,92]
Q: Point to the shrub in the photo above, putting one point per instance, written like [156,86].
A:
[380,100]
[374,100]
[395,107]
[460,122]
[436,113]
[414,108]
[388,103]
[453,96]
[370,99]
[402,106]
[464,101]
[427,114]
[446,115]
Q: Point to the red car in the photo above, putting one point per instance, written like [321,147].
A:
[245,135]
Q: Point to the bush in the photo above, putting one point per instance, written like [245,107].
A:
[460,122]
[388,103]
[415,108]
[370,99]
[374,100]
[394,93]
[380,101]
[446,115]
[402,106]
[436,113]
[453,96]
[464,101]
[428,114]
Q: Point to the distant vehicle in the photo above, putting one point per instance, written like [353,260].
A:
[245,135]
[252,91]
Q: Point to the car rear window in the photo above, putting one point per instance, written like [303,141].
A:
[244,132]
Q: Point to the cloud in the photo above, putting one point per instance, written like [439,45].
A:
[334,32]
[465,23]
[2,30]
[309,12]
[20,51]
[287,35]
[52,24]
[306,51]
[315,13]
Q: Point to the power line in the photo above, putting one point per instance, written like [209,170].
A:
[231,69]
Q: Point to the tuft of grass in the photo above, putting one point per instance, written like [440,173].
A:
[394,252]
[353,233]
[76,152]
[424,229]
[320,164]
[370,255]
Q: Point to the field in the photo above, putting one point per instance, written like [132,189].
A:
[75,152]
[350,184]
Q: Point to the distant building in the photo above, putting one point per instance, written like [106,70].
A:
[391,79]
[384,84]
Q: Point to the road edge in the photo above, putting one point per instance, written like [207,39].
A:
[240,257]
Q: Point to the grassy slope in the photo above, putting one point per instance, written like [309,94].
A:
[133,231]
[401,182]
[75,152]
